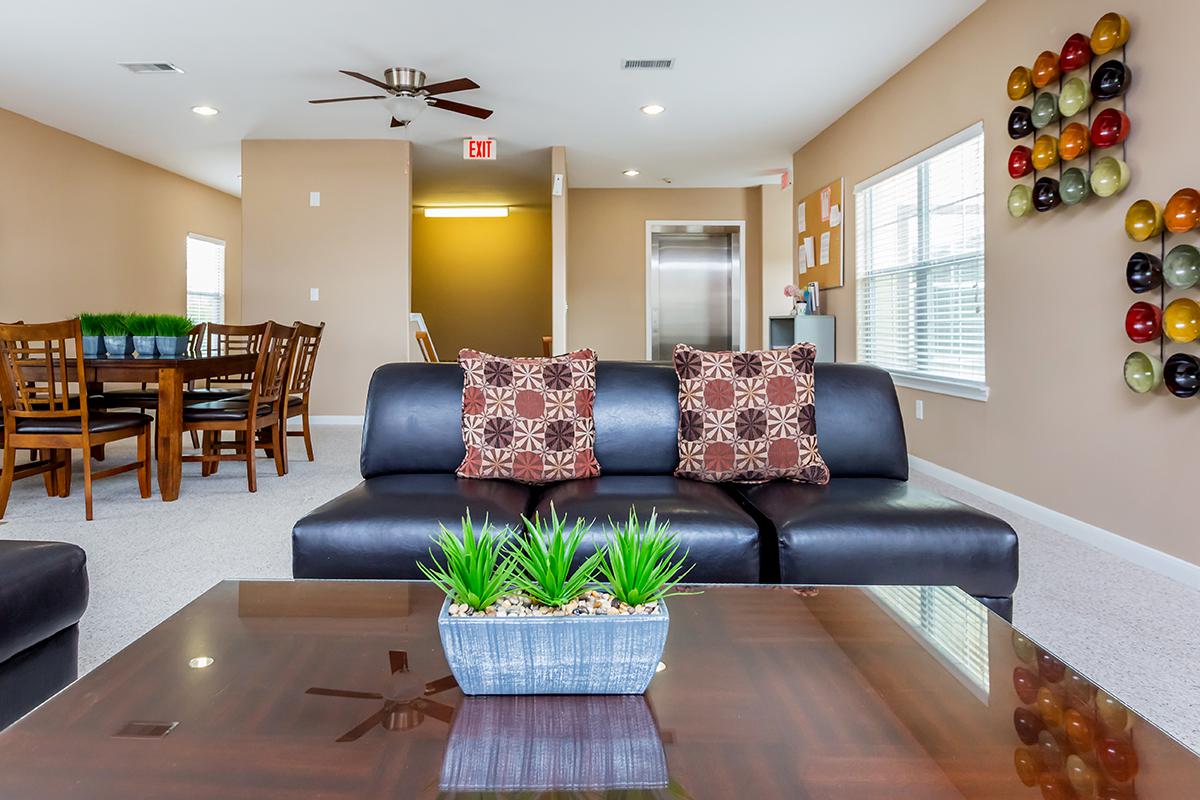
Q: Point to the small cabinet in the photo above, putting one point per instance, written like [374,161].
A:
[819,329]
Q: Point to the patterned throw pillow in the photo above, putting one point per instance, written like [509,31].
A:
[748,417]
[529,419]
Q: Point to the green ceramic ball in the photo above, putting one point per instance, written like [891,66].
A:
[1020,200]
[1045,110]
[1076,96]
[1181,267]
[1074,186]
[1142,372]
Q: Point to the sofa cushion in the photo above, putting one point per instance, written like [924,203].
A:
[43,590]
[722,539]
[748,416]
[381,527]
[528,419]
[875,531]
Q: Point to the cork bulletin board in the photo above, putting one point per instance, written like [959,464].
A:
[819,224]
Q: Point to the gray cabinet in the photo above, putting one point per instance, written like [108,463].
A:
[818,329]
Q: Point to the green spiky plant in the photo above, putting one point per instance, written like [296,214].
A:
[91,324]
[639,564]
[140,324]
[114,324]
[477,570]
[172,325]
[543,557]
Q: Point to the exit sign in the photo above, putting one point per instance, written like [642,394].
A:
[479,149]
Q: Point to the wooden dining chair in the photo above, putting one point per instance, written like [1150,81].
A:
[48,465]
[40,412]
[304,363]
[547,346]
[257,411]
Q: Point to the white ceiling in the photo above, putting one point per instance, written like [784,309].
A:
[753,80]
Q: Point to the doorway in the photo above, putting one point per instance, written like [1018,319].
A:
[695,286]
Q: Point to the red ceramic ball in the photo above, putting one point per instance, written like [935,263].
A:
[1076,52]
[1118,759]
[1050,668]
[1143,322]
[1110,127]
[1028,725]
[1020,162]
[1026,685]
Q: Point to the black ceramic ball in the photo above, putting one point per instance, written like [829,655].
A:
[1045,194]
[1181,374]
[1020,122]
[1143,272]
[1111,80]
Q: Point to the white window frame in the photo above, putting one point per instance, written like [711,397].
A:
[187,292]
[968,389]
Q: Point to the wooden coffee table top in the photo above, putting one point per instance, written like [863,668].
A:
[767,692]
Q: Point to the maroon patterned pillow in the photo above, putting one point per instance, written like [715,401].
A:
[748,417]
[529,419]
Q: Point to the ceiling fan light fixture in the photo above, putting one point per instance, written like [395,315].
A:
[631,173]
[405,108]
[205,111]
[653,109]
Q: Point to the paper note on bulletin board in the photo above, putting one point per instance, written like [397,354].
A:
[824,211]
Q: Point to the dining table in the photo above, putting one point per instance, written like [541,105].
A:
[171,374]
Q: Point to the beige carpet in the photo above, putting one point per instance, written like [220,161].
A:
[1129,629]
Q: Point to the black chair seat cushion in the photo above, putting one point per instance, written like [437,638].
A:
[380,528]
[148,398]
[294,400]
[43,590]
[879,531]
[222,410]
[98,422]
[722,540]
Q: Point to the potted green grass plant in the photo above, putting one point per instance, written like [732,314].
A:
[117,340]
[141,328]
[172,332]
[93,335]
[524,615]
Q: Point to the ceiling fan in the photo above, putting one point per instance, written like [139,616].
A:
[408,94]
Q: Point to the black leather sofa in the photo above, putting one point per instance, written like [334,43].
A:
[43,593]
[868,526]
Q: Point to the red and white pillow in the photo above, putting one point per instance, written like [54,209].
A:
[529,419]
[748,417]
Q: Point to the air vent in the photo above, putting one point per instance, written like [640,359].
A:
[648,63]
[150,67]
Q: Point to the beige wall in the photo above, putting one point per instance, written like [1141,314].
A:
[558,236]
[1060,427]
[484,283]
[606,260]
[85,228]
[354,247]
[777,268]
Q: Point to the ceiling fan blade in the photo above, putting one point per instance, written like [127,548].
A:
[460,108]
[397,123]
[343,693]
[366,78]
[344,99]
[359,730]
[440,685]
[432,708]
[456,85]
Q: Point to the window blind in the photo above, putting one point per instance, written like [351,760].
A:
[205,279]
[947,621]
[920,268]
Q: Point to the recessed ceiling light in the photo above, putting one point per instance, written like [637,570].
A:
[631,173]
[205,111]
[200,662]
[652,109]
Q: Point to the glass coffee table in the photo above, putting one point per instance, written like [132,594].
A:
[340,690]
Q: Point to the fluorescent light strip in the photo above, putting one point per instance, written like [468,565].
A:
[468,211]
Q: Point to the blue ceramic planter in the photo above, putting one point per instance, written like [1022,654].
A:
[172,346]
[554,655]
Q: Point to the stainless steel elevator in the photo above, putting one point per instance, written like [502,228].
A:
[694,288]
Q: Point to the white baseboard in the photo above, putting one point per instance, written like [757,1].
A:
[336,420]
[1166,564]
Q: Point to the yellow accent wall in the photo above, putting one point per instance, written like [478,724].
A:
[484,283]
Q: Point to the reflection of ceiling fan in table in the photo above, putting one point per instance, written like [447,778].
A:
[407,94]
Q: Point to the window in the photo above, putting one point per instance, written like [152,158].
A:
[920,275]
[949,623]
[205,279]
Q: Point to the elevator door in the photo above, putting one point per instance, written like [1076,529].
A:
[694,290]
